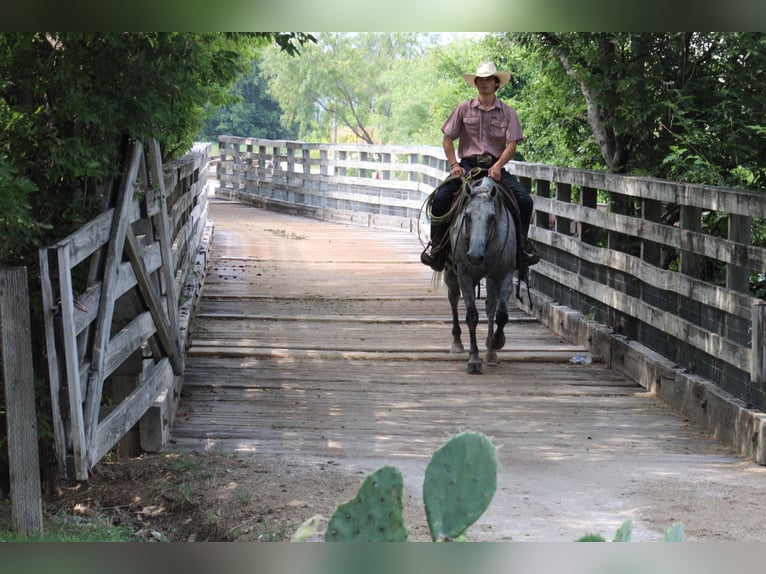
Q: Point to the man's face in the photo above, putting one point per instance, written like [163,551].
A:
[487,85]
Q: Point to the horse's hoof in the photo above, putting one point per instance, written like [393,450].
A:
[474,368]
[457,348]
[492,359]
[498,342]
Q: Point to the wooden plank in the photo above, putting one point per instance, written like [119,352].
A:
[20,409]
[129,411]
[77,424]
[48,269]
[727,200]
[128,340]
[166,332]
[90,237]
[758,353]
[710,295]
[684,238]
[168,267]
[702,339]
[90,300]
[106,304]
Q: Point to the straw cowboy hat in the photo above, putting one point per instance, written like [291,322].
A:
[485,70]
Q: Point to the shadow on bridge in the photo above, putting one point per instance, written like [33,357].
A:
[324,341]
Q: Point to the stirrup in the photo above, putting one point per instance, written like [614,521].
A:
[529,255]
[434,259]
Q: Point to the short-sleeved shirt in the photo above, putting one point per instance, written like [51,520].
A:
[483,131]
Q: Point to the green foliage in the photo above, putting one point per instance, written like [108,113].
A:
[374,514]
[459,484]
[591,538]
[68,528]
[675,533]
[68,102]
[19,229]
[624,532]
[672,105]
[251,111]
[367,87]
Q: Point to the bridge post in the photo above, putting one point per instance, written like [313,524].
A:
[564,195]
[758,348]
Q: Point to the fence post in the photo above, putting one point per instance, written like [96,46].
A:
[758,346]
[19,382]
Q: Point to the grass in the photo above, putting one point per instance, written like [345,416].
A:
[68,528]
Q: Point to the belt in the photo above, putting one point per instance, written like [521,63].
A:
[486,160]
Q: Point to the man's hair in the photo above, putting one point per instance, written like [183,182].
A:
[497,81]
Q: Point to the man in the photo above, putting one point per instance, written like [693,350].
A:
[488,130]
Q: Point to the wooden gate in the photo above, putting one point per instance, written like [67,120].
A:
[112,295]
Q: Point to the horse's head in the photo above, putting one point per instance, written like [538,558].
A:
[479,220]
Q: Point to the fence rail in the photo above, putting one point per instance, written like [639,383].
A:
[608,252]
[116,298]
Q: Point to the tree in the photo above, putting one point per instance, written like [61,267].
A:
[420,92]
[678,105]
[337,83]
[68,99]
[251,113]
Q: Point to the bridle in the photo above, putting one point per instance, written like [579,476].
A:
[498,203]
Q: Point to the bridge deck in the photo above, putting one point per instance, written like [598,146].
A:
[329,343]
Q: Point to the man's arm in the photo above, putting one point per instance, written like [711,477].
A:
[449,150]
[505,157]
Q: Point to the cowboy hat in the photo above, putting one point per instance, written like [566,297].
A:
[485,70]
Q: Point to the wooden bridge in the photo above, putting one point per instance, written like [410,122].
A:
[326,343]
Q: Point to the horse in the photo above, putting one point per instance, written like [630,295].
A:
[483,245]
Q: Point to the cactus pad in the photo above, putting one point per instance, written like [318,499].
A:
[459,484]
[374,514]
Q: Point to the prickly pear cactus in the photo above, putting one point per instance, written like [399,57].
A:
[312,530]
[374,514]
[459,484]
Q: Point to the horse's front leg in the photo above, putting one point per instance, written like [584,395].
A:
[472,320]
[453,295]
[490,305]
[496,340]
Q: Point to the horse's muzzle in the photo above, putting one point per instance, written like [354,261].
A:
[474,259]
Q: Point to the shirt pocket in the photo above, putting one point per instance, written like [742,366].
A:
[472,124]
[498,128]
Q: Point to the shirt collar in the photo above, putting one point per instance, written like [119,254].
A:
[475,103]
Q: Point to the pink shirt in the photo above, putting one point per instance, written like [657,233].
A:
[483,131]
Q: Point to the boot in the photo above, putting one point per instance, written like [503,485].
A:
[529,255]
[435,253]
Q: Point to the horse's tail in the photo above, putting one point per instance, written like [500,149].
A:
[437,280]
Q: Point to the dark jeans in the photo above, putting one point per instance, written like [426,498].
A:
[442,200]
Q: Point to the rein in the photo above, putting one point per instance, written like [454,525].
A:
[464,199]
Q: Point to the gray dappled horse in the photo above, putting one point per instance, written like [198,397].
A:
[483,245]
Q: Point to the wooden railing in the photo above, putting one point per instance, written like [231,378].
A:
[117,296]
[606,251]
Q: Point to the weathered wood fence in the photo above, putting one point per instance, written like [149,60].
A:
[116,300]
[604,245]
[19,387]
